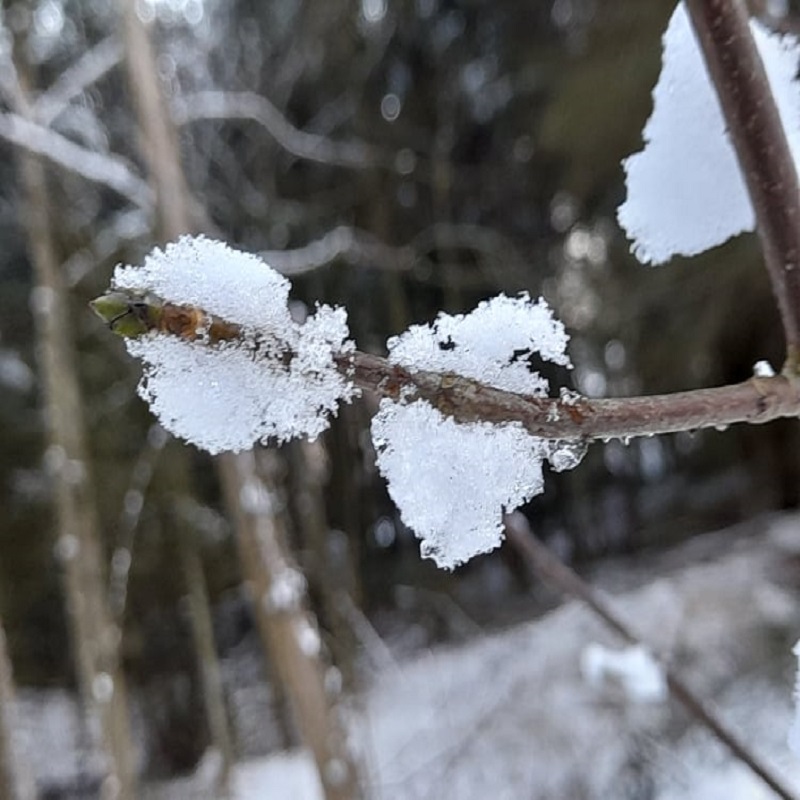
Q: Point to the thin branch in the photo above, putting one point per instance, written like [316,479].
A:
[107,170]
[762,149]
[571,416]
[88,69]
[361,248]
[549,568]
[255,107]
[755,401]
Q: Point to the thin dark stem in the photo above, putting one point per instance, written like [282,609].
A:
[549,568]
[575,417]
[761,146]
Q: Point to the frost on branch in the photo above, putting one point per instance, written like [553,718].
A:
[453,481]
[276,380]
[686,192]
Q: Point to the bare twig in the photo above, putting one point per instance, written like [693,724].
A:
[108,170]
[255,107]
[762,149]
[550,569]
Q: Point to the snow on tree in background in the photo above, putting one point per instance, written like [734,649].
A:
[230,395]
[452,481]
[686,192]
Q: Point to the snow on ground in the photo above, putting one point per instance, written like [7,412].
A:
[509,715]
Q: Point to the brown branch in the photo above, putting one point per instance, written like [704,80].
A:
[571,416]
[550,569]
[761,146]
[755,401]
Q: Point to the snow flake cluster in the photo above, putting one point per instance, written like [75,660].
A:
[234,394]
[453,481]
[686,192]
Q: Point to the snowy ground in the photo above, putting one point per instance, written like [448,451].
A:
[510,716]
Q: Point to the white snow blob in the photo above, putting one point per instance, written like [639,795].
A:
[686,192]
[453,481]
[231,395]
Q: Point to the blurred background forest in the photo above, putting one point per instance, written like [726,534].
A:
[398,158]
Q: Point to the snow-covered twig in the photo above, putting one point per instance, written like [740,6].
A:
[571,416]
[108,170]
[548,567]
[759,139]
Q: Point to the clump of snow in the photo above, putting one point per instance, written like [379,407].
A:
[453,481]
[492,344]
[197,271]
[633,668]
[686,192]
[231,395]
[794,730]
[763,369]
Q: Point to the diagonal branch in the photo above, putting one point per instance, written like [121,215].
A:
[88,69]
[108,170]
[761,146]
[550,569]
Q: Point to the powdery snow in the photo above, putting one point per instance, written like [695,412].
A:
[686,192]
[231,395]
[453,481]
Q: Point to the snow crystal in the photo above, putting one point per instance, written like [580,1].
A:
[686,192]
[231,395]
[634,668]
[492,344]
[794,730]
[453,481]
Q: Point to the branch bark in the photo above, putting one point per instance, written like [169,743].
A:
[761,146]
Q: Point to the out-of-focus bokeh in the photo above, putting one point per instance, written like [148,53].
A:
[396,158]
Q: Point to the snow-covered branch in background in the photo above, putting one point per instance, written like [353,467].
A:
[87,70]
[256,108]
[106,169]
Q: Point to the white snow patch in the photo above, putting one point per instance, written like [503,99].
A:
[491,344]
[686,192]
[231,395]
[450,481]
[763,369]
[453,481]
[633,668]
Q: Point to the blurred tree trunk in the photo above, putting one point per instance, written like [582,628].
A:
[278,591]
[159,149]
[95,636]
[328,568]
[202,626]
[293,640]
[16,777]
